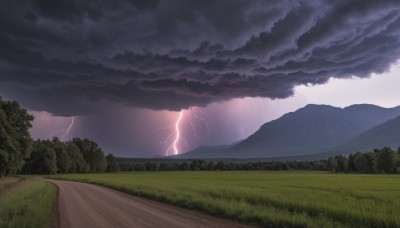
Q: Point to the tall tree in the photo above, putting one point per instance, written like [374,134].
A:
[364,162]
[351,166]
[92,154]
[78,162]
[15,140]
[332,164]
[9,146]
[112,163]
[342,163]
[64,162]
[386,160]
[43,159]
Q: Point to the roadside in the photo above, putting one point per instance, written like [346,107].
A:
[8,183]
[55,212]
[26,202]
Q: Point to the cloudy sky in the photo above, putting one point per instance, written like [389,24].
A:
[121,72]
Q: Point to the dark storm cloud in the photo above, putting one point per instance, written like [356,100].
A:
[68,57]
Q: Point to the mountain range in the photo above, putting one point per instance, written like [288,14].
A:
[315,130]
[386,134]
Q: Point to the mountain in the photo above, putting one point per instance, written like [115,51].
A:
[310,130]
[386,134]
[206,151]
[203,152]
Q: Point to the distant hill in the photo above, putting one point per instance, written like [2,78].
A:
[203,152]
[386,134]
[309,130]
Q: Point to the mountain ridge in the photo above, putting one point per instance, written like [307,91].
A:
[312,129]
[384,135]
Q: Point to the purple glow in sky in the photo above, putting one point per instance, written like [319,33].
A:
[218,123]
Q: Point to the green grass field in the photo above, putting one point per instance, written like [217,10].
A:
[27,203]
[270,199]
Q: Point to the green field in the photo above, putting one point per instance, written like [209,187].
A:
[26,202]
[270,199]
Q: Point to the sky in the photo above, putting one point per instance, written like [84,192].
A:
[129,73]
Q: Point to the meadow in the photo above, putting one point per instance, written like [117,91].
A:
[269,199]
[26,202]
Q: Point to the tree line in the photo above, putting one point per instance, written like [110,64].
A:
[202,165]
[383,160]
[15,140]
[76,156]
[20,154]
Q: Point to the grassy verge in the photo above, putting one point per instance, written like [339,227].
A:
[7,183]
[28,204]
[269,199]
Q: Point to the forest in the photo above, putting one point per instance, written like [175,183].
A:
[19,154]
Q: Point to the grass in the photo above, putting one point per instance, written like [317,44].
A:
[269,199]
[27,204]
[7,183]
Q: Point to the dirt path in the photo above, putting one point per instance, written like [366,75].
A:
[86,205]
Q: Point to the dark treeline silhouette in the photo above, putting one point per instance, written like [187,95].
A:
[202,165]
[15,140]
[76,156]
[384,160]
[20,154]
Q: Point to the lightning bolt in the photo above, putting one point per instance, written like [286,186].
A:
[193,127]
[178,134]
[185,117]
[204,121]
[68,129]
[174,145]
[165,128]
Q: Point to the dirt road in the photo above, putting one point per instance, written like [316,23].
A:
[86,205]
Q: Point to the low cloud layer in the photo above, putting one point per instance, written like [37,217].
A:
[71,57]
